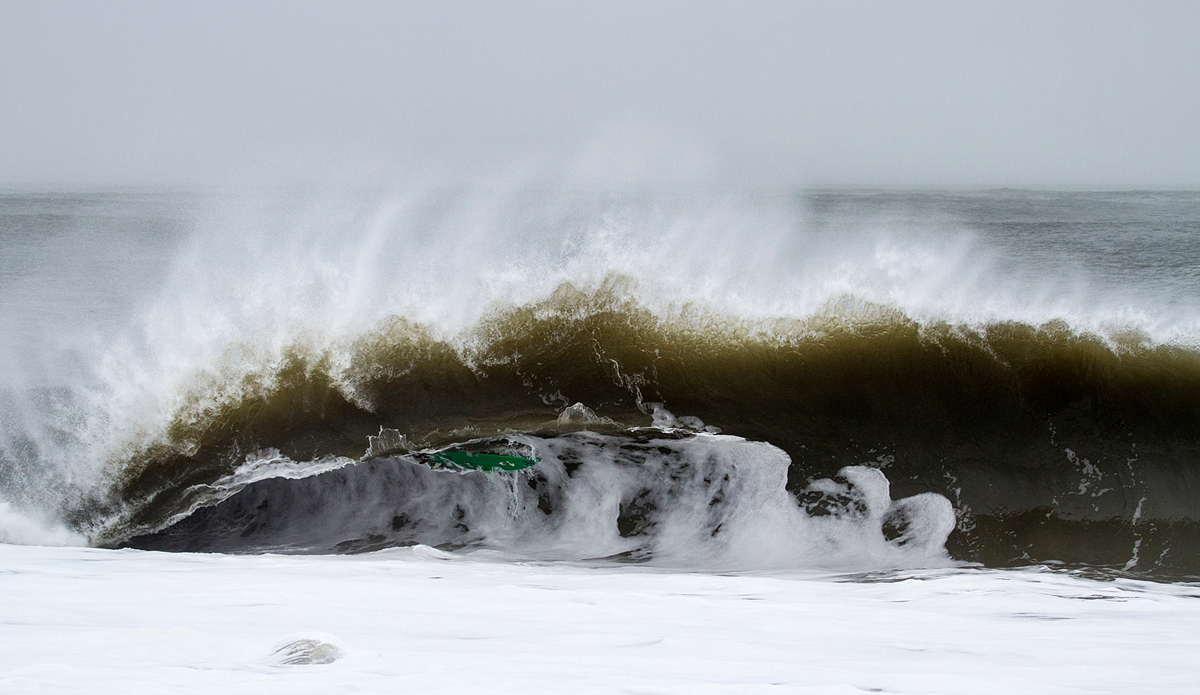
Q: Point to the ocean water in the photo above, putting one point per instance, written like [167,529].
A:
[981,401]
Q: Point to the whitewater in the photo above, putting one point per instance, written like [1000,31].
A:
[421,620]
[839,441]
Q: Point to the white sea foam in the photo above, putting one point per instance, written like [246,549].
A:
[417,620]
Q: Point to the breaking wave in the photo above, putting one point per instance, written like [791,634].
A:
[862,431]
[1052,445]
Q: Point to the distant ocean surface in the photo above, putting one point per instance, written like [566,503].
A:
[850,381]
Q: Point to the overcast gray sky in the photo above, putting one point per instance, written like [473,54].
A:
[775,93]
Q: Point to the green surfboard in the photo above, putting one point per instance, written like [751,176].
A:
[465,460]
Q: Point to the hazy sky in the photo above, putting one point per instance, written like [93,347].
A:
[770,92]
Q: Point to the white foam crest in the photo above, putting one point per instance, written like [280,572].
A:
[265,275]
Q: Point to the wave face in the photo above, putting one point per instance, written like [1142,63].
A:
[836,380]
